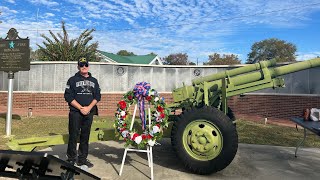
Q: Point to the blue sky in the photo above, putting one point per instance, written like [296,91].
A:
[195,27]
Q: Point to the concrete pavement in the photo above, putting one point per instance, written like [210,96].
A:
[251,162]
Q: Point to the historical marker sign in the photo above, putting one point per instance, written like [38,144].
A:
[14,53]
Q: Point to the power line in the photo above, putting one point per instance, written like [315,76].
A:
[194,23]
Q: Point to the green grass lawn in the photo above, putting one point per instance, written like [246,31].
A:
[248,131]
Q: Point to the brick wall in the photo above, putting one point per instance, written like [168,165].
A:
[46,102]
[275,106]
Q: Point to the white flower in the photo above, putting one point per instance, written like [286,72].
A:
[122,113]
[155,129]
[156,114]
[159,119]
[151,93]
[124,133]
[138,139]
[151,142]
[156,99]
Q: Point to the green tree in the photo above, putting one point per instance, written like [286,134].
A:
[60,48]
[152,53]
[37,55]
[125,53]
[40,56]
[32,55]
[176,59]
[272,48]
[225,59]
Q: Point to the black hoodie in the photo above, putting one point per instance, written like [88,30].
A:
[83,90]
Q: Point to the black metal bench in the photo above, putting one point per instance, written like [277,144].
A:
[313,126]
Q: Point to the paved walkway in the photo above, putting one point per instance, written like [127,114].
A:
[251,162]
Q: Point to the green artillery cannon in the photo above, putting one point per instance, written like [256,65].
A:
[204,135]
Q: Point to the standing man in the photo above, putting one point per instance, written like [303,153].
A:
[82,94]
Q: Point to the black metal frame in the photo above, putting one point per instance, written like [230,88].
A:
[313,126]
[38,165]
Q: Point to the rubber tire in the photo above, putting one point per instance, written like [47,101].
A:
[231,115]
[228,132]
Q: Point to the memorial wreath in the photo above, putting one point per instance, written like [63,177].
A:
[142,93]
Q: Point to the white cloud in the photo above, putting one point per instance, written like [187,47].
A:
[11,1]
[48,15]
[44,2]
[306,56]
[217,13]
[275,13]
[145,26]
[6,14]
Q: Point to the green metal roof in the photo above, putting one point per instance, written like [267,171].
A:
[139,59]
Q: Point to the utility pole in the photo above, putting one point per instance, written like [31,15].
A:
[197,61]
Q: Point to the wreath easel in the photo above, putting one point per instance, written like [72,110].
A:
[157,120]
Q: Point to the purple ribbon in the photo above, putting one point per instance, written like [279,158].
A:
[141,90]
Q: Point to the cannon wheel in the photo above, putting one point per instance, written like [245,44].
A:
[204,139]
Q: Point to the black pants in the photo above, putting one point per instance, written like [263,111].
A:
[79,124]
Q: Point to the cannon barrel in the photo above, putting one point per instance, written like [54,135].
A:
[234,72]
[295,67]
[274,72]
[243,79]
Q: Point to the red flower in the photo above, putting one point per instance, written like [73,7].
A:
[122,105]
[124,124]
[158,125]
[143,136]
[149,136]
[162,115]
[130,97]
[160,109]
[134,136]
[148,98]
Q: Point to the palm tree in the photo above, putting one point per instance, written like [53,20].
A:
[60,48]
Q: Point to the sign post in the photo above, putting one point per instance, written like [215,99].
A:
[9,104]
[14,57]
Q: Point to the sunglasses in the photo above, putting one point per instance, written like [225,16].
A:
[83,64]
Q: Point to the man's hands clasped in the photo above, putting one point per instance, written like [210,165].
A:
[85,110]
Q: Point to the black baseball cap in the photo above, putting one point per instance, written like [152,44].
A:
[83,61]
